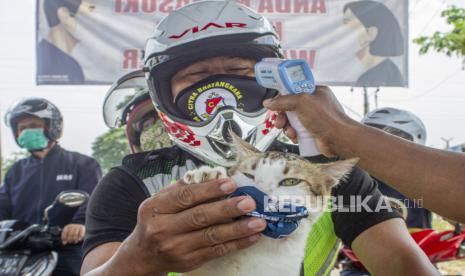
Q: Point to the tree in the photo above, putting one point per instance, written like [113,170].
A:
[110,148]
[451,43]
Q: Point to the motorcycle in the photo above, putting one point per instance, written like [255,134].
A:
[29,249]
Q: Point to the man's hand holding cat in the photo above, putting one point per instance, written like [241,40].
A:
[184,226]
[320,113]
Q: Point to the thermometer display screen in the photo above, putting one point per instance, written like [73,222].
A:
[296,73]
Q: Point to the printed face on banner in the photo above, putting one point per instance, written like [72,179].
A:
[64,35]
[356,43]
[71,21]
[379,39]
[351,21]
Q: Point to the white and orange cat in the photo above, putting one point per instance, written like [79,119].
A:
[276,174]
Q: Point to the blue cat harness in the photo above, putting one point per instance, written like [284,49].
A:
[280,223]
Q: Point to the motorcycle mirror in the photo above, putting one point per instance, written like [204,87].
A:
[72,198]
[69,198]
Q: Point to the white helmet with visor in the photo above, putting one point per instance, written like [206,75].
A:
[199,118]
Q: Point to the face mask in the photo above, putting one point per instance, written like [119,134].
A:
[155,137]
[33,139]
[202,100]
[348,63]
[81,30]
[349,40]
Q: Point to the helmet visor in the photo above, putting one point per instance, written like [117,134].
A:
[36,107]
[394,131]
[122,96]
[163,66]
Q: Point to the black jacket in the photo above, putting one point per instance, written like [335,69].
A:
[32,184]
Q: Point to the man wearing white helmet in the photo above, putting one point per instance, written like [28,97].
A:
[200,69]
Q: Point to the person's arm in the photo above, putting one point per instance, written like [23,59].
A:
[178,229]
[435,176]
[368,228]
[388,249]
[100,255]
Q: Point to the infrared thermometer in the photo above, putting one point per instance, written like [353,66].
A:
[290,77]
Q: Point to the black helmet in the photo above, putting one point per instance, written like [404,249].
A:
[40,108]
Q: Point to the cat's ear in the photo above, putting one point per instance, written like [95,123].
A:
[338,170]
[240,147]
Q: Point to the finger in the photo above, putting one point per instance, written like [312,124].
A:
[208,253]
[75,235]
[173,186]
[187,196]
[221,233]
[290,133]
[70,234]
[82,233]
[208,214]
[281,120]
[282,103]
[65,235]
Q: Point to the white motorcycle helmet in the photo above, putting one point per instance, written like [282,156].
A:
[398,122]
[196,32]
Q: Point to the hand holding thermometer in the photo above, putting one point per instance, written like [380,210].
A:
[290,77]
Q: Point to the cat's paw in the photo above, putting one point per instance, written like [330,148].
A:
[203,174]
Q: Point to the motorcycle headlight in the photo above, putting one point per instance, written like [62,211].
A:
[461,252]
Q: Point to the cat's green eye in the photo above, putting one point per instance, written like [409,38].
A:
[249,175]
[289,182]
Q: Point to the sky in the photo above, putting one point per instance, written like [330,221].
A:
[436,92]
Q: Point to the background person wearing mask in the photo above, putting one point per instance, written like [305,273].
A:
[33,183]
